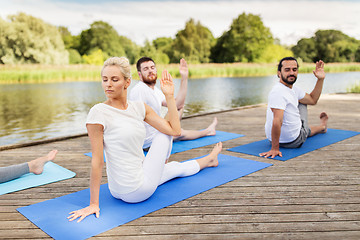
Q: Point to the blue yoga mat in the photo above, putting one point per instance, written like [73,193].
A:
[51,215]
[52,173]
[311,144]
[181,146]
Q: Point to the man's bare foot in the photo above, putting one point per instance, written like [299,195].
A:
[37,166]
[323,121]
[212,128]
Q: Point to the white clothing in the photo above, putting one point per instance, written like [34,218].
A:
[156,172]
[287,99]
[131,176]
[153,98]
[124,134]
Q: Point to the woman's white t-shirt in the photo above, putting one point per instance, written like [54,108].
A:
[287,99]
[124,135]
[153,98]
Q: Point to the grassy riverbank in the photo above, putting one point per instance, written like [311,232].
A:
[354,89]
[44,73]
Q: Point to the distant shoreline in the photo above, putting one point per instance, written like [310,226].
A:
[35,73]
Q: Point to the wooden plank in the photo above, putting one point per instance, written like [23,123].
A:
[313,196]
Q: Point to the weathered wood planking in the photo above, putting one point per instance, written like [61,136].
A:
[313,196]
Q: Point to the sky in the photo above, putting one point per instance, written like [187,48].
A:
[141,20]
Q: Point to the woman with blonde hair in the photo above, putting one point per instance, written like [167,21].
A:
[116,127]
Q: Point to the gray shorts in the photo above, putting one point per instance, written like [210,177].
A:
[304,134]
[305,130]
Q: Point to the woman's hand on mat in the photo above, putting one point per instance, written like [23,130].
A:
[83,213]
[272,153]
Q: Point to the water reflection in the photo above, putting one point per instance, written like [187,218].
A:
[39,111]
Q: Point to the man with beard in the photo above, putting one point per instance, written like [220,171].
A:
[146,91]
[286,117]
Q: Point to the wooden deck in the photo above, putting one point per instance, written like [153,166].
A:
[314,196]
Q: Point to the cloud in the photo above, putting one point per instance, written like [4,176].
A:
[146,20]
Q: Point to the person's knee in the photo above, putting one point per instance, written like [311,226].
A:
[162,138]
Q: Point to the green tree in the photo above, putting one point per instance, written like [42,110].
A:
[193,43]
[66,37]
[244,42]
[132,50]
[26,39]
[357,55]
[164,45]
[305,49]
[329,46]
[96,57]
[71,44]
[102,36]
[273,54]
[74,56]
[149,50]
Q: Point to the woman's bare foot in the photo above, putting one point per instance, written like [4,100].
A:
[323,121]
[211,160]
[37,166]
[212,128]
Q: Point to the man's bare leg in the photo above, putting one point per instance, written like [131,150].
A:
[195,134]
[322,128]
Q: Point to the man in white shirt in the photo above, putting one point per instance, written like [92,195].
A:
[146,91]
[286,117]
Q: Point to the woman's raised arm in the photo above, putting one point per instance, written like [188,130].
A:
[171,125]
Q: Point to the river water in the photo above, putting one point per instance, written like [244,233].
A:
[32,112]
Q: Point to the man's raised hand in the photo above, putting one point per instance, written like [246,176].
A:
[184,70]
[319,71]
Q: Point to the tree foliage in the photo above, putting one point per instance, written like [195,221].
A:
[305,49]
[273,54]
[132,51]
[26,39]
[164,45]
[96,57]
[193,43]
[329,46]
[101,36]
[149,50]
[244,42]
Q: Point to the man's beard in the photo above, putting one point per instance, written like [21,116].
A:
[149,79]
[285,79]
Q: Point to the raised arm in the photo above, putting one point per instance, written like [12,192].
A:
[275,134]
[95,132]
[181,95]
[171,125]
[313,97]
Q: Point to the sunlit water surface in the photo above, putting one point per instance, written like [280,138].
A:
[40,111]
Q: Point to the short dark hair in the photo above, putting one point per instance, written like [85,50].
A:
[142,60]
[287,59]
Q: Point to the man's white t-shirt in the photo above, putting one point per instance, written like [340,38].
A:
[153,98]
[287,99]
[124,134]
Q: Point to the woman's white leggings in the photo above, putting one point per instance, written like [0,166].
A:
[156,172]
